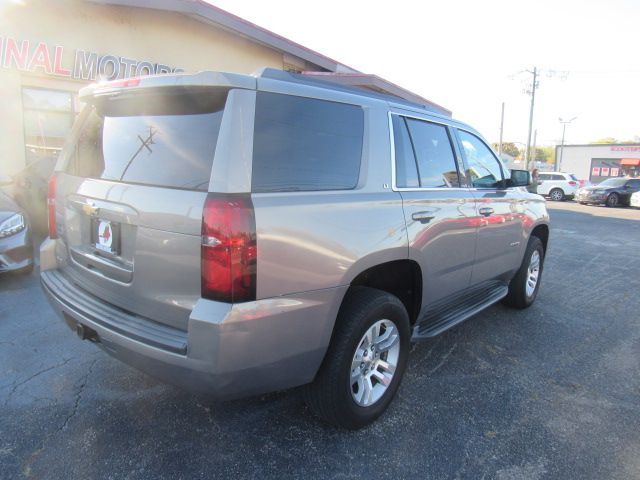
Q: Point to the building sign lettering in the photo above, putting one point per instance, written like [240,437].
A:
[623,148]
[39,57]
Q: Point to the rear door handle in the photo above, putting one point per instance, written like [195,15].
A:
[486,211]
[423,217]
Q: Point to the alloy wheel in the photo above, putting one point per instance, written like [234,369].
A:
[557,195]
[374,363]
[533,273]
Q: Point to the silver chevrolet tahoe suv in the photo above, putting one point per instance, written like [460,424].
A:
[237,234]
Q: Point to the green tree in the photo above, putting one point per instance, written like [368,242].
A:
[507,147]
[546,154]
[606,140]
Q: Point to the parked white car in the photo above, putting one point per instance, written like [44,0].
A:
[635,200]
[557,186]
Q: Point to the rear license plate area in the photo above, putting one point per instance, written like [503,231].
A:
[105,236]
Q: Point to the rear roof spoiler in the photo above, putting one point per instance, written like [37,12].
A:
[201,79]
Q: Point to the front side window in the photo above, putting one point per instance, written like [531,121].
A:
[305,144]
[483,167]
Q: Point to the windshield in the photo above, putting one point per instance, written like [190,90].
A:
[613,182]
[162,141]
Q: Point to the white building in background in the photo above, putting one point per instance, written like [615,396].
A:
[597,162]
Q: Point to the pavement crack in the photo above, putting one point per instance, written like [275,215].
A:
[35,375]
[26,469]
[76,403]
[442,360]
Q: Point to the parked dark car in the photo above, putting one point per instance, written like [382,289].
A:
[613,192]
[16,247]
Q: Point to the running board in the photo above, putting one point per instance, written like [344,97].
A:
[452,311]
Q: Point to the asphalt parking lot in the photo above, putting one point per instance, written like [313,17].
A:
[551,392]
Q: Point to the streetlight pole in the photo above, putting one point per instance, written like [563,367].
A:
[564,128]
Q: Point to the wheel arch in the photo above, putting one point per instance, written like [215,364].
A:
[401,278]
[541,231]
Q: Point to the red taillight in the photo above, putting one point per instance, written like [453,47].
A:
[572,183]
[51,205]
[229,248]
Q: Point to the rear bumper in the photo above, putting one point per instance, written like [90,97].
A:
[228,351]
[16,251]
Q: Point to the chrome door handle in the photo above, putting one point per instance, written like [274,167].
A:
[486,211]
[422,217]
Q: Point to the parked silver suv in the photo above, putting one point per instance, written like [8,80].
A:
[241,234]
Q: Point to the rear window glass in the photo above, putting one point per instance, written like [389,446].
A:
[305,144]
[166,141]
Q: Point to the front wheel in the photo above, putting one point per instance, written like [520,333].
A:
[524,287]
[613,200]
[365,361]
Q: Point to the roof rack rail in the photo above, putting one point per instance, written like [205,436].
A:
[329,83]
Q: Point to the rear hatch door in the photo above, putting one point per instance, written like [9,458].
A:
[133,190]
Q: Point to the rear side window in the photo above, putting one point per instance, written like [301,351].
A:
[434,154]
[166,141]
[424,156]
[406,168]
[305,144]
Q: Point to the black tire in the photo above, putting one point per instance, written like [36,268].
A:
[582,203]
[330,396]
[556,194]
[517,296]
[613,200]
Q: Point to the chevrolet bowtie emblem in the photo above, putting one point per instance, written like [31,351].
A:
[90,209]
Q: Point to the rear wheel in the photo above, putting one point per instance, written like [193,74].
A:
[613,200]
[524,287]
[365,362]
[557,195]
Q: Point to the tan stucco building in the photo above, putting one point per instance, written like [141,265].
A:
[49,50]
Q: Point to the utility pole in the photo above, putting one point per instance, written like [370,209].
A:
[533,147]
[564,128]
[501,130]
[534,85]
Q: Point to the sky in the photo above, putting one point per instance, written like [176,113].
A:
[470,56]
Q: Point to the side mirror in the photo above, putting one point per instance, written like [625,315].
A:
[5,180]
[520,178]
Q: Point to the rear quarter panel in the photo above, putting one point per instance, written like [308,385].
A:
[317,240]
